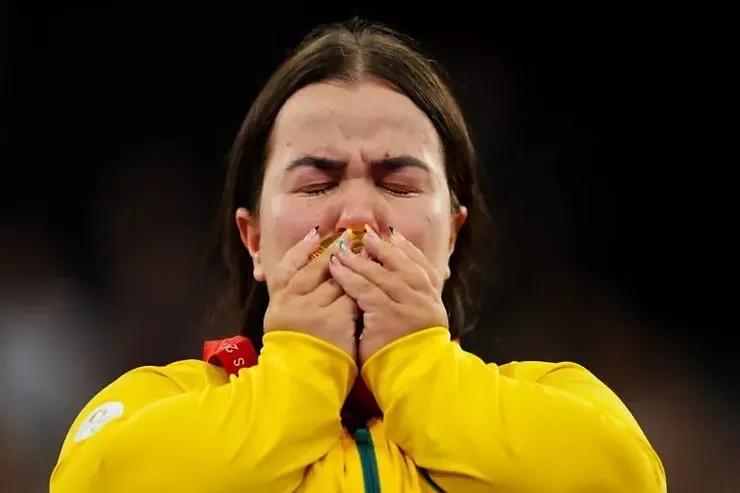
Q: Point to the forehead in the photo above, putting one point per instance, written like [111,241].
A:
[337,118]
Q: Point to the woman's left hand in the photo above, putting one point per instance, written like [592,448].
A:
[399,297]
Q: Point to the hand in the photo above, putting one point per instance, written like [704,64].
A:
[305,298]
[399,297]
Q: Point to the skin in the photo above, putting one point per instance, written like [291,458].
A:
[358,156]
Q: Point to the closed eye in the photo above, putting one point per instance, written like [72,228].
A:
[393,189]
[398,190]
[318,189]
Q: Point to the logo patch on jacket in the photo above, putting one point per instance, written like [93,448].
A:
[101,416]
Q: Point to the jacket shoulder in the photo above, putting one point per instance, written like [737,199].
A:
[572,378]
[179,376]
[537,370]
[138,388]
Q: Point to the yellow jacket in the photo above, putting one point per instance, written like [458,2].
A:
[450,422]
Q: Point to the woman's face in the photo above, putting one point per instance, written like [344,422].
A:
[342,156]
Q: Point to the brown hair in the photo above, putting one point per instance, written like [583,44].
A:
[351,52]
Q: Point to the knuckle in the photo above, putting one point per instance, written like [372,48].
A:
[281,274]
[393,285]
[295,284]
[374,297]
[367,291]
[435,279]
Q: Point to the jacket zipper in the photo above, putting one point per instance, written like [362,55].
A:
[365,447]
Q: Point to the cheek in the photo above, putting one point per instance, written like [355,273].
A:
[426,225]
[284,223]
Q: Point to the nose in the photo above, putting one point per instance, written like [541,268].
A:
[360,204]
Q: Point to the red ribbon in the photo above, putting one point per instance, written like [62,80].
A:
[232,354]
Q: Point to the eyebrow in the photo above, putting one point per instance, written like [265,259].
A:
[401,162]
[321,163]
[326,164]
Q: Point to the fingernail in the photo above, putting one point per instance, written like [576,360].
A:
[371,232]
[333,259]
[314,231]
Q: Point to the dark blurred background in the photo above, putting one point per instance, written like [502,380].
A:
[604,138]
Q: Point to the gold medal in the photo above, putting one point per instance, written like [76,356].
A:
[355,242]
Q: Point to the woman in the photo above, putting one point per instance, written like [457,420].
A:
[360,383]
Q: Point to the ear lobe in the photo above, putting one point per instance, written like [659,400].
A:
[249,232]
[458,219]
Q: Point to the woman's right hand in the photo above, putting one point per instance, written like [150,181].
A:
[305,298]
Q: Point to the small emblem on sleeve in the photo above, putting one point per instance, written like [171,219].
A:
[101,416]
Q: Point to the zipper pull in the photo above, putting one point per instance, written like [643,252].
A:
[362,435]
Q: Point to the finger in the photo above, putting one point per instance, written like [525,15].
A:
[294,259]
[416,255]
[364,254]
[365,293]
[310,276]
[327,292]
[395,259]
[390,283]
[389,255]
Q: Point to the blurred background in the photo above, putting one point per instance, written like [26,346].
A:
[603,136]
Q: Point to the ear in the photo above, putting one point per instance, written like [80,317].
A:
[249,232]
[457,219]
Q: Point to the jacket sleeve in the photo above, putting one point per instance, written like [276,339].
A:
[521,427]
[256,431]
